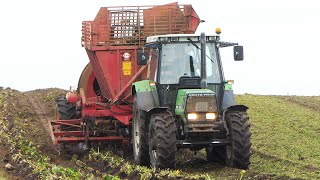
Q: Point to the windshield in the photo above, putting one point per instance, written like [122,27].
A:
[184,59]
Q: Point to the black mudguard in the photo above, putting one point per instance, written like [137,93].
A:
[145,101]
[228,100]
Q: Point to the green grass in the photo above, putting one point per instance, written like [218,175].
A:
[312,102]
[285,135]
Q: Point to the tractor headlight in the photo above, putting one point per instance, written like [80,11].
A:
[211,116]
[192,116]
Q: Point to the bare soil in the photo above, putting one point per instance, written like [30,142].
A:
[31,111]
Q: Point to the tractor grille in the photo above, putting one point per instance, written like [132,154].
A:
[201,103]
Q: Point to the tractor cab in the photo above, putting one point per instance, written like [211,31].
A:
[181,61]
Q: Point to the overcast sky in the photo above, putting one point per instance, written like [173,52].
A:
[40,42]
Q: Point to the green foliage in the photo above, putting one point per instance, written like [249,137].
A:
[40,163]
[198,176]
[115,161]
[3,175]
[55,169]
[74,158]
[127,168]
[144,172]
[242,174]
[168,172]
[111,177]
[26,151]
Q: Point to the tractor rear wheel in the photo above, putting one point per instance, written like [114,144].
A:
[162,141]
[140,136]
[65,111]
[239,151]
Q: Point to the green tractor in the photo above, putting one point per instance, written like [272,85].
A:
[185,102]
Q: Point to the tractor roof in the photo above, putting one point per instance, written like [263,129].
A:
[178,37]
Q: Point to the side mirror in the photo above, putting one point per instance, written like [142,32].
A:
[238,53]
[142,57]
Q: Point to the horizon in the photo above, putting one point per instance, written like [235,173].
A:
[25,91]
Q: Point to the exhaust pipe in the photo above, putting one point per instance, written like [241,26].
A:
[203,61]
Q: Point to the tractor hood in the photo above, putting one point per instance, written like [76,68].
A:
[195,100]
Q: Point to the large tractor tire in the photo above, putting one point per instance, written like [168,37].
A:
[140,136]
[162,141]
[65,111]
[239,151]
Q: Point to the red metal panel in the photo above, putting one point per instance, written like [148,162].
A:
[86,39]
[70,133]
[131,25]
[142,73]
[194,19]
[165,19]
[116,139]
[70,121]
[108,66]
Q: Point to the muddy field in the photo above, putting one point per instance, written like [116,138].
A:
[26,151]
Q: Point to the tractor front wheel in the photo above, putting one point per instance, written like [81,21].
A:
[162,141]
[239,151]
[140,136]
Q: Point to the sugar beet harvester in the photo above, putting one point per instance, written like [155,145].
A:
[154,87]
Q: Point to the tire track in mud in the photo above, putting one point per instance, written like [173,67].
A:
[44,117]
[41,113]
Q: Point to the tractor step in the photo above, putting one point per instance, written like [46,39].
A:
[188,144]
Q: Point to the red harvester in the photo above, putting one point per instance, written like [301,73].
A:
[112,42]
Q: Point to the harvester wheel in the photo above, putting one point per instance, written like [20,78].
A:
[239,151]
[162,141]
[65,111]
[140,136]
